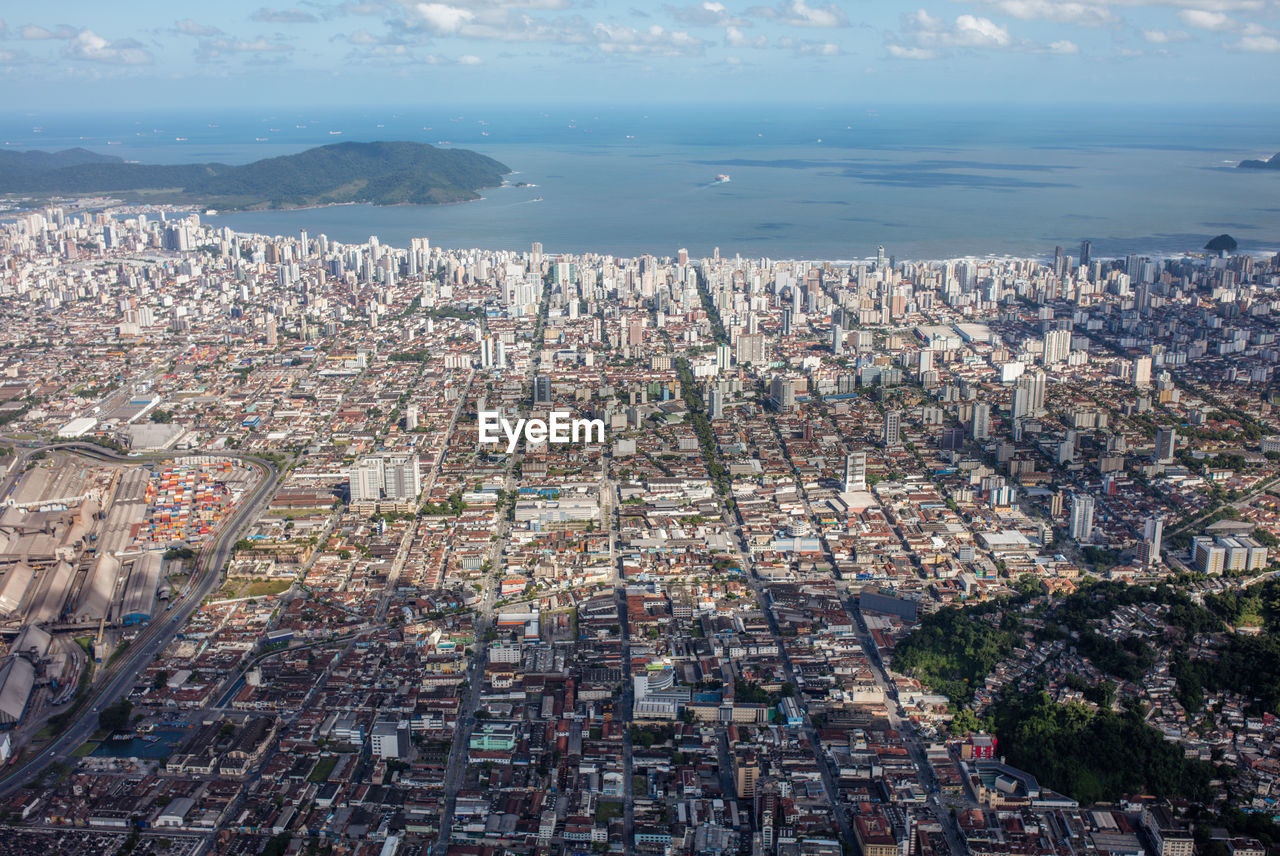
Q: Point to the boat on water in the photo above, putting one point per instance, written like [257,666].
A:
[722,178]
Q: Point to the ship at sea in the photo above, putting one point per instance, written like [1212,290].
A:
[722,178]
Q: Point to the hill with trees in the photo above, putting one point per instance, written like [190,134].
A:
[380,173]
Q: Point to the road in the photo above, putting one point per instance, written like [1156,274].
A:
[120,676]
[456,764]
[924,772]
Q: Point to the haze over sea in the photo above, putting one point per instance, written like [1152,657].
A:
[806,182]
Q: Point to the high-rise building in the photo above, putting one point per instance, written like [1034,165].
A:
[981,421]
[1028,395]
[715,403]
[1152,536]
[402,481]
[855,471]
[1142,371]
[366,480]
[541,389]
[837,338]
[1086,254]
[1057,346]
[1081,517]
[892,433]
[1166,445]
[411,418]
[782,391]
[385,479]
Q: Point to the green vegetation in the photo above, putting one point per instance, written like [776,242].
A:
[954,649]
[749,692]
[265,588]
[409,357]
[323,768]
[179,553]
[651,735]
[115,717]
[1094,755]
[702,427]
[606,810]
[453,507]
[383,173]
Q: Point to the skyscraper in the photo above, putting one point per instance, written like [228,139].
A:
[1152,535]
[1081,517]
[1142,371]
[389,479]
[837,338]
[892,429]
[1166,444]
[1057,346]
[411,418]
[401,480]
[1086,254]
[1028,395]
[981,421]
[366,480]
[855,471]
[541,389]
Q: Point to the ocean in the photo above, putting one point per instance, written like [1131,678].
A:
[815,182]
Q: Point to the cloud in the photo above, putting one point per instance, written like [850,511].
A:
[1257,44]
[33,33]
[1061,11]
[91,47]
[900,52]
[1164,37]
[798,13]
[651,41]
[708,14]
[189,27]
[805,47]
[469,59]
[975,32]
[737,39]
[1205,20]
[224,46]
[442,18]
[283,16]
[925,37]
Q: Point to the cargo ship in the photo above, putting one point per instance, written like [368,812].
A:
[722,178]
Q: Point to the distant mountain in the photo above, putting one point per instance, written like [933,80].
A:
[1273,163]
[27,163]
[382,173]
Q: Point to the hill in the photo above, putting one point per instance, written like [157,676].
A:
[1272,163]
[381,173]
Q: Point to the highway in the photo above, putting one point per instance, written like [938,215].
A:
[117,678]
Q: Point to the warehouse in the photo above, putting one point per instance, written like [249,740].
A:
[17,676]
[98,590]
[140,592]
[13,587]
[51,594]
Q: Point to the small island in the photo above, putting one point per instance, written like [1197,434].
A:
[378,173]
[1272,163]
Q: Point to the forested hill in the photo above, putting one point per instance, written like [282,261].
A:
[382,173]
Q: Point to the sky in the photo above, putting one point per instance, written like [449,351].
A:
[80,55]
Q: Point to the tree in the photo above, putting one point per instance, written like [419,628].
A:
[115,717]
